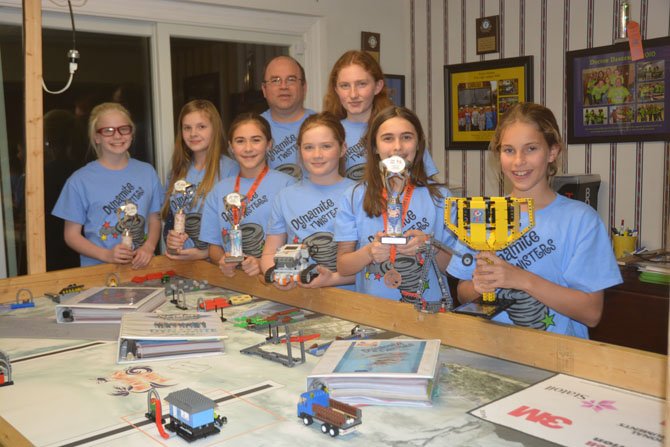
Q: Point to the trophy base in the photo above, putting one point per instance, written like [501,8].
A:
[394,240]
[484,309]
[233,259]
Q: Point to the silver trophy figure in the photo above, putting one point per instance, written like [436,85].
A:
[233,202]
[395,177]
[126,215]
[185,192]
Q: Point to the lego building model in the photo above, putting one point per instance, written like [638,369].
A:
[337,418]
[291,265]
[5,370]
[192,415]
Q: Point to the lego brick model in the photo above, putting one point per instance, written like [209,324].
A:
[291,265]
[337,418]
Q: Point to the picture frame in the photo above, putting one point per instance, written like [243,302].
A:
[489,87]
[613,99]
[395,84]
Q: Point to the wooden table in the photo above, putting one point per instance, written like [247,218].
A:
[615,365]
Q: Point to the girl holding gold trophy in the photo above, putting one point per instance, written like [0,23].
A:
[556,272]
[384,221]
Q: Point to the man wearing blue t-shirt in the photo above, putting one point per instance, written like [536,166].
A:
[284,88]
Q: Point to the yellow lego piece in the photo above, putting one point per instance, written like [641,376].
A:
[488,223]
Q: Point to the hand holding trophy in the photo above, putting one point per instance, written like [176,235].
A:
[396,183]
[125,215]
[234,203]
[185,192]
[395,176]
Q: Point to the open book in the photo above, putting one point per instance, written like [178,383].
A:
[108,304]
[379,372]
[149,336]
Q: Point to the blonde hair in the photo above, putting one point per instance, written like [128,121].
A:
[96,114]
[536,115]
[182,156]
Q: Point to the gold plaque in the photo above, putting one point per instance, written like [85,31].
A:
[488,37]
[371,43]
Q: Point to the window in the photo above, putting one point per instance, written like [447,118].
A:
[111,68]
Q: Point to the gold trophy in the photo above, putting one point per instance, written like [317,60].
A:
[393,168]
[233,202]
[184,191]
[488,224]
[126,215]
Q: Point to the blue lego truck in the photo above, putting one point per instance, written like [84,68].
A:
[337,418]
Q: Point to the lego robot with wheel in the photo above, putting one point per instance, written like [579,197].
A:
[291,265]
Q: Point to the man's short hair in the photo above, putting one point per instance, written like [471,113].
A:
[302,70]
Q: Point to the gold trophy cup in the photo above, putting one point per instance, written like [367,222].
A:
[488,223]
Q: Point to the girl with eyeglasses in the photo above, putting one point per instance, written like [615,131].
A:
[115,199]
[199,160]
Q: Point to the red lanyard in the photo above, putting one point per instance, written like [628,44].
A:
[237,216]
[407,197]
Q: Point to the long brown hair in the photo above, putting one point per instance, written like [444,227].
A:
[541,118]
[373,202]
[182,156]
[331,102]
[325,119]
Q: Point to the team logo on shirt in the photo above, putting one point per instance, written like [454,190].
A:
[129,194]
[527,311]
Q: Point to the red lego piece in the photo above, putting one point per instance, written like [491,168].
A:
[215,303]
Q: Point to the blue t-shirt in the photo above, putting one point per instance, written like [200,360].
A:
[424,214]
[93,194]
[306,212]
[569,246]
[193,208]
[284,153]
[216,219]
[356,155]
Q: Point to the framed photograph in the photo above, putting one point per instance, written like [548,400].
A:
[614,99]
[396,88]
[477,93]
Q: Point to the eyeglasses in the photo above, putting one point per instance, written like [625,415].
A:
[110,131]
[277,81]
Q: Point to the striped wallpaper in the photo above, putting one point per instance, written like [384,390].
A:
[635,177]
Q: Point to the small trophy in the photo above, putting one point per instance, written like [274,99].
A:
[392,168]
[126,214]
[185,190]
[233,202]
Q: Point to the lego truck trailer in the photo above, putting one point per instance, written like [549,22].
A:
[337,418]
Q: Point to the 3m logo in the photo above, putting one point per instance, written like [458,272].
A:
[541,417]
